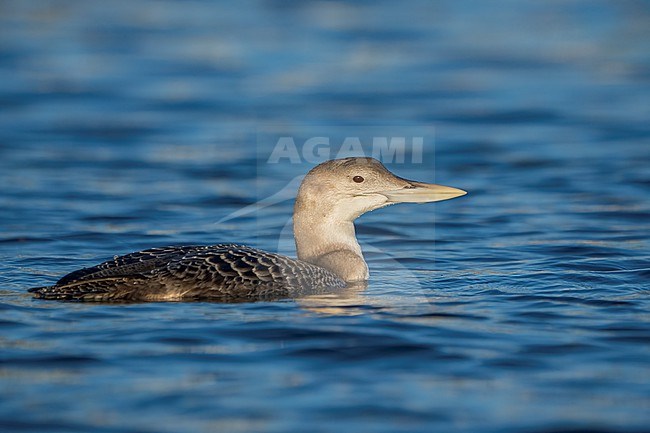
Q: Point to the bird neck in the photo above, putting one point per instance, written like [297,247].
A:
[325,237]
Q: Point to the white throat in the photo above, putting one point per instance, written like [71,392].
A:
[325,236]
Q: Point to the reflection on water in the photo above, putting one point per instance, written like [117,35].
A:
[350,301]
[521,307]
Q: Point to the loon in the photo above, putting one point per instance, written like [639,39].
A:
[331,196]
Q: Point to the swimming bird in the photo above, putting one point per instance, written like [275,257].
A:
[331,196]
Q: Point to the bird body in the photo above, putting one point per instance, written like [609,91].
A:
[224,272]
[331,196]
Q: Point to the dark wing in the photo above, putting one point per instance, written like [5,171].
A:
[119,278]
[238,273]
[222,272]
[129,264]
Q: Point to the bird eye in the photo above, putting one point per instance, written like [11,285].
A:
[357,179]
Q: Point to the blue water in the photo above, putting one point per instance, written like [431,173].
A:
[522,307]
